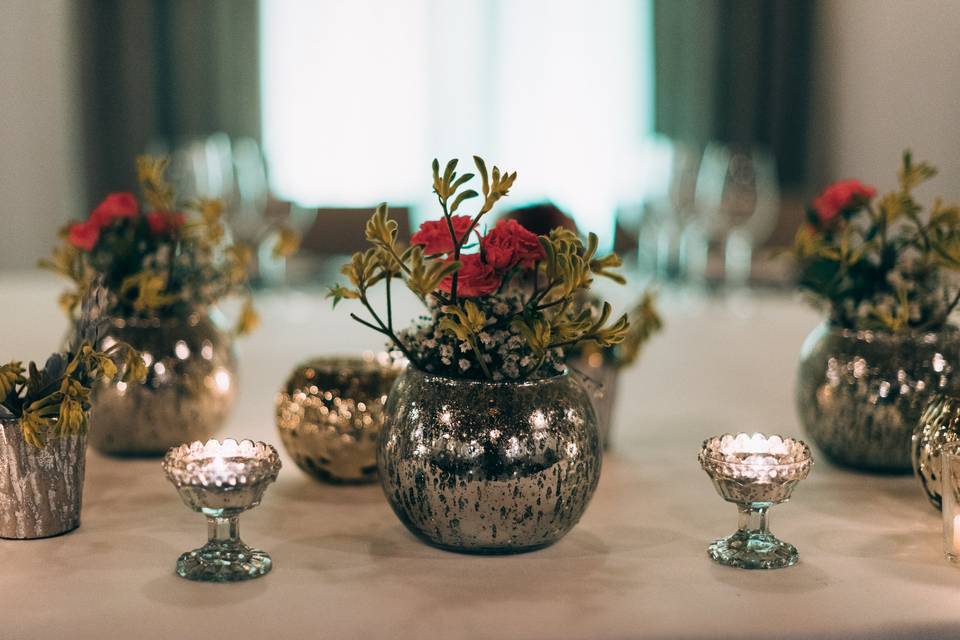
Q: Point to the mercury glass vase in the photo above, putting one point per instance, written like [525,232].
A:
[329,415]
[188,394]
[41,488]
[485,467]
[938,428]
[860,393]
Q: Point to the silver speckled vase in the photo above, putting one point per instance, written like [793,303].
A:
[485,467]
[939,425]
[188,394]
[329,415]
[860,393]
[41,488]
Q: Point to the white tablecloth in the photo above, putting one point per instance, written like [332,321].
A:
[636,565]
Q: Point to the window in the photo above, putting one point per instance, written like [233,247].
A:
[358,97]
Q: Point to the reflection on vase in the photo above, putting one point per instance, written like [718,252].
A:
[188,394]
[860,393]
[487,467]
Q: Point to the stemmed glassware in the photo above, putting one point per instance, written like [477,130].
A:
[222,480]
[755,472]
[737,204]
[674,166]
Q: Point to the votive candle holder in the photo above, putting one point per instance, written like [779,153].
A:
[755,472]
[950,500]
[222,480]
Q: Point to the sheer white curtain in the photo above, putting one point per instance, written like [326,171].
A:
[359,96]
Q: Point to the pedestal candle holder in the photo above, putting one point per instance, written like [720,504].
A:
[222,480]
[755,472]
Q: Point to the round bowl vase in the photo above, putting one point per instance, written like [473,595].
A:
[486,467]
[329,415]
[939,426]
[41,488]
[860,394]
[188,394]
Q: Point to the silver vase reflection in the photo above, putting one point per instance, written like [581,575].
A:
[860,393]
[188,394]
[485,467]
[41,488]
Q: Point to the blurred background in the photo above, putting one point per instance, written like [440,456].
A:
[688,133]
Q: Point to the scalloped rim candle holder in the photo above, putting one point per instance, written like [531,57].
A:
[755,472]
[222,480]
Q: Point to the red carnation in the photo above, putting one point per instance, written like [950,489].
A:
[163,222]
[114,206]
[509,244]
[845,195]
[476,278]
[434,235]
[84,235]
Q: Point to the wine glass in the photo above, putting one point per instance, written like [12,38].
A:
[737,202]
[674,165]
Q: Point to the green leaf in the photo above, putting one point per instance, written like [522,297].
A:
[466,195]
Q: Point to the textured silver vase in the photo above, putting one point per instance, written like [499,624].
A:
[484,467]
[188,394]
[860,393]
[601,380]
[329,415]
[939,426]
[41,488]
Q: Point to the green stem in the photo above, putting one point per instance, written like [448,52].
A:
[479,355]
[382,328]
[389,304]
[456,247]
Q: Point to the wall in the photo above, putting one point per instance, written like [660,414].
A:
[40,170]
[887,77]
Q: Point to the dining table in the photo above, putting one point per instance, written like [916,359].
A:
[636,566]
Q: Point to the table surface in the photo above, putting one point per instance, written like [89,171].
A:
[636,565]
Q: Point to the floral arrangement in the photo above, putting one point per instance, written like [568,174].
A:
[878,263]
[161,259]
[54,400]
[501,304]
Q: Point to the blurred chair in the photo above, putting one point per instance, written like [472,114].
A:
[340,231]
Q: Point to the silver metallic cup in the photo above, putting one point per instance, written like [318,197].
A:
[41,489]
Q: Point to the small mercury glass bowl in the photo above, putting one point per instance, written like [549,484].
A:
[222,480]
[755,472]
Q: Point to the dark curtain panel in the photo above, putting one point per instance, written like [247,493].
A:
[736,71]
[162,70]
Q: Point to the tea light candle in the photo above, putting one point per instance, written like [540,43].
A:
[222,480]
[755,472]
[955,547]
[950,484]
